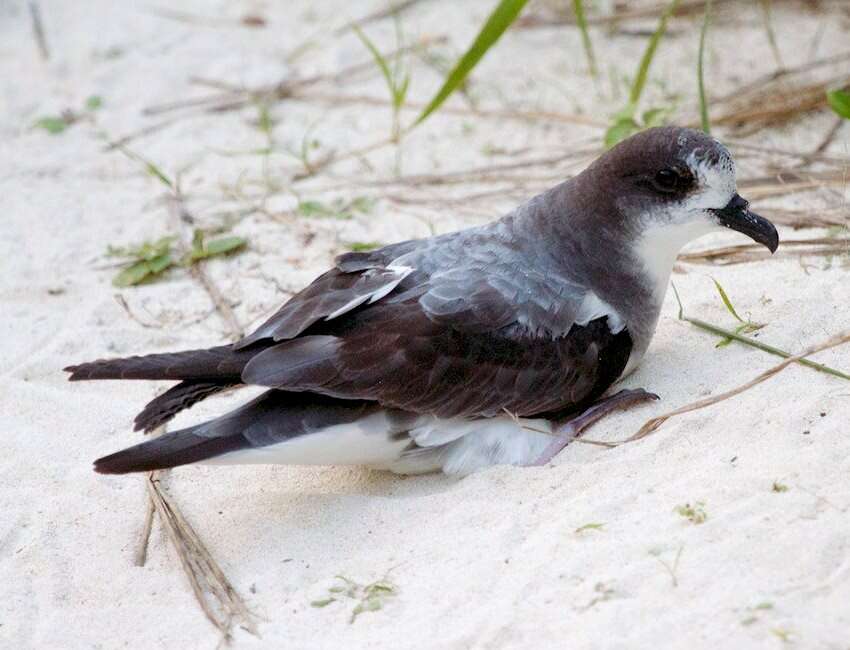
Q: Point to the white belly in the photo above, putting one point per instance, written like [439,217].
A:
[455,446]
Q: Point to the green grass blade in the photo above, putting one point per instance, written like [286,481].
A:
[725,298]
[223,245]
[714,329]
[766,10]
[380,61]
[764,347]
[839,101]
[501,18]
[703,101]
[150,167]
[581,20]
[53,125]
[649,54]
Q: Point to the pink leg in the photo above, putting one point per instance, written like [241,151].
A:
[567,430]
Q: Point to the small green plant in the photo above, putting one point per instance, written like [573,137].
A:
[703,99]
[94,102]
[143,261]
[755,612]
[152,169]
[740,338]
[779,487]
[695,513]
[150,259]
[745,327]
[363,246]
[397,80]
[368,598]
[581,21]
[265,125]
[673,568]
[603,593]
[786,636]
[203,249]
[590,526]
[766,11]
[56,124]
[496,24]
[839,101]
[628,121]
[336,209]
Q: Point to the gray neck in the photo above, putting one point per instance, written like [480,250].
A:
[583,245]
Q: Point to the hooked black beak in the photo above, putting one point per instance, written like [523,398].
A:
[737,216]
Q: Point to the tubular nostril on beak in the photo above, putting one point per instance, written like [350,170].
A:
[739,203]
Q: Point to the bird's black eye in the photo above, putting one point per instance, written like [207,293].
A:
[668,180]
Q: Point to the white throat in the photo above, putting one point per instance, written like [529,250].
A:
[658,247]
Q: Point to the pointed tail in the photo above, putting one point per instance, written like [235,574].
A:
[271,418]
[222,362]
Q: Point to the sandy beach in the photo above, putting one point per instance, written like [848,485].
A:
[727,527]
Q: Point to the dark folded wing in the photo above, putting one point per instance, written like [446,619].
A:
[357,279]
[461,346]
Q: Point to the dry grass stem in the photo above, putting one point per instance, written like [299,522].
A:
[824,144]
[653,424]
[216,596]
[756,86]
[141,555]
[741,146]
[789,182]
[38,30]
[233,98]
[742,253]
[186,222]
[776,106]
[685,8]
[337,99]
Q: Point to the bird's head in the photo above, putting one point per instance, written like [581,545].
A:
[670,185]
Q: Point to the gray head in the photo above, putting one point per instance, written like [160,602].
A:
[667,186]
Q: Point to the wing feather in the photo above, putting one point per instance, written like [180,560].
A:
[453,330]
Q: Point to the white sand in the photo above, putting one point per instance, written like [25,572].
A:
[491,561]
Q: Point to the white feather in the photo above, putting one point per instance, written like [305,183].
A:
[660,244]
[394,277]
[593,307]
[455,446]
[401,272]
[460,446]
[367,441]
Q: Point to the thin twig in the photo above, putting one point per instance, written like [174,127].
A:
[777,151]
[205,576]
[755,86]
[38,30]
[393,10]
[714,329]
[144,537]
[685,8]
[208,582]
[653,424]
[742,253]
[817,152]
[672,570]
[284,89]
[187,222]
[497,113]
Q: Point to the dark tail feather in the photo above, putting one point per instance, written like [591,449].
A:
[177,398]
[270,418]
[222,362]
[169,450]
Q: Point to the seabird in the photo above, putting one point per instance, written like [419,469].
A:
[490,345]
